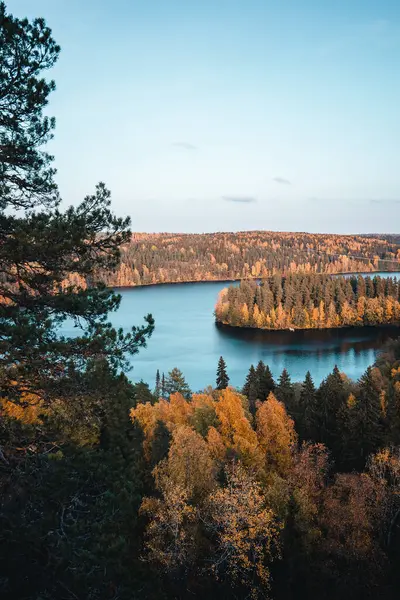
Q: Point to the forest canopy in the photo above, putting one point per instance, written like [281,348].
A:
[150,258]
[300,301]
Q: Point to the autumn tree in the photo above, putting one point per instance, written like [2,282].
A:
[183,480]
[245,530]
[350,520]
[234,426]
[276,435]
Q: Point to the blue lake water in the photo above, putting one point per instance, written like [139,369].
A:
[186,337]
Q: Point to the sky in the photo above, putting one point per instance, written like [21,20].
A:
[224,115]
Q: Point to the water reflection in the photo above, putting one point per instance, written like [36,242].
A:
[314,341]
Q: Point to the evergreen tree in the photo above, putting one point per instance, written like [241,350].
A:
[308,409]
[222,375]
[331,398]
[160,442]
[157,388]
[285,393]
[265,381]
[163,386]
[250,388]
[47,255]
[143,394]
[175,382]
[369,415]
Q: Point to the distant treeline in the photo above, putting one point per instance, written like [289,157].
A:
[310,302]
[164,258]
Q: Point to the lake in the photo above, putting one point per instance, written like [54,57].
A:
[186,337]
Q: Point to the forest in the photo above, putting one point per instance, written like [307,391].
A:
[170,258]
[276,490]
[112,491]
[300,301]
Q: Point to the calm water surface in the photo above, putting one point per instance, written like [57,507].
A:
[186,336]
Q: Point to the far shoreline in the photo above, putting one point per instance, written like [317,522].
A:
[204,281]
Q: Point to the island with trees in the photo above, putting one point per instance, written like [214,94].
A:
[300,301]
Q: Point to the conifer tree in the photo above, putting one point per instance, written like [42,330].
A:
[163,392]
[308,409]
[265,381]
[250,388]
[157,388]
[369,414]
[142,393]
[285,393]
[47,256]
[331,398]
[222,375]
[176,382]
[160,443]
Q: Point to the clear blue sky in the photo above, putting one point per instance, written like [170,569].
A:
[204,115]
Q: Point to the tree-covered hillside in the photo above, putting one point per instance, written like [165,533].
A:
[163,257]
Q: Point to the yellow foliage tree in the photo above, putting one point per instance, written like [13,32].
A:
[246,530]
[236,431]
[189,464]
[276,435]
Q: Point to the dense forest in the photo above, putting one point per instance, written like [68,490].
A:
[278,490]
[162,258]
[113,491]
[310,302]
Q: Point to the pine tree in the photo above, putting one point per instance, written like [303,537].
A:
[160,443]
[163,392]
[157,388]
[369,415]
[222,375]
[47,255]
[331,398]
[307,413]
[265,381]
[143,394]
[250,388]
[175,382]
[285,393]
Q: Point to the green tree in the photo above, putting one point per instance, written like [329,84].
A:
[47,256]
[250,389]
[143,394]
[369,414]
[308,409]
[331,397]
[285,393]
[176,382]
[163,386]
[157,389]
[160,442]
[265,381]
[222,375]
